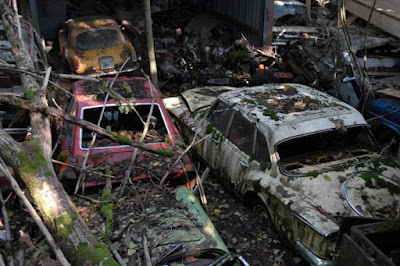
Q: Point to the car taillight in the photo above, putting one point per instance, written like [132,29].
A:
[77,64]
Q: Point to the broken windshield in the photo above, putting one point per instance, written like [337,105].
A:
[98,38]
[128,125]
[324,147]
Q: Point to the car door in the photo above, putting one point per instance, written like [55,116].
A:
[236,150]
[216,124]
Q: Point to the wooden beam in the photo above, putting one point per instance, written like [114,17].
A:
[386,14]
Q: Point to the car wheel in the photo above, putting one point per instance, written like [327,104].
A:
[261,212]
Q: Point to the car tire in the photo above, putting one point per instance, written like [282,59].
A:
[261,211]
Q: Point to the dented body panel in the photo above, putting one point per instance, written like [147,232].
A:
[95,45]
[306,155]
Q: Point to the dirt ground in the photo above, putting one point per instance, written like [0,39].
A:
[243,233]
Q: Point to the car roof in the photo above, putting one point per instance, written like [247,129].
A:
[285,111]
[87,22]
[89,92]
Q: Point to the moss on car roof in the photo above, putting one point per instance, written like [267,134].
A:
[278,100]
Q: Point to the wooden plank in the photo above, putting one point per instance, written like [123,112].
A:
[308,4]
[385,16]
[389,93]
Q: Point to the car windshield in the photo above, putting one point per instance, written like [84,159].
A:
[322,148]
[128,125]
[98,38]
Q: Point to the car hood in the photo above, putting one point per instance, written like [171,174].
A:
[203,96]
[371,188]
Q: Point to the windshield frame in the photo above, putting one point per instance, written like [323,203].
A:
[325,169]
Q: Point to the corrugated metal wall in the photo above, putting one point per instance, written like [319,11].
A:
[249,17]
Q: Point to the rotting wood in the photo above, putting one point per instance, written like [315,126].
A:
[147,256]
[57,251]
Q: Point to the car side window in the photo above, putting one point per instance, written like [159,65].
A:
[261,152]
[242,133]
[220,117]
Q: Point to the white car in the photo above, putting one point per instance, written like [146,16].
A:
[300,158]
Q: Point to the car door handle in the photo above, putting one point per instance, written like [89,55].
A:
[243,163]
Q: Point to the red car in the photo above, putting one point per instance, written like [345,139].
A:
[108,157]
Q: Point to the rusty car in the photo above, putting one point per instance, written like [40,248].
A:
[95,44]
[127,118]
[300,158]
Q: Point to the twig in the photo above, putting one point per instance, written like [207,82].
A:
[194,142]
[381,116]
[77,167]
[142,137]
[60,256]
[92,200]
[147,256]
[5,217]
[82,174]
[46,79]
[118,258]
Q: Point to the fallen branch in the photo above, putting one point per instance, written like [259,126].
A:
[194,142]
[92,200]
[77,167]
[16,101]
[82,173]
[118,258]
[147,256]
[59,254]
[5,217]
[142,137]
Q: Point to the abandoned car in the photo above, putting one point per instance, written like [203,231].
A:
[300,158]
[128,121]
[95,45]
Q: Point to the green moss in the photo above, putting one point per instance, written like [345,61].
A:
[202,113]
[264,166]
[251,158]
[29,94]
[250,101]
[107,209]
[31,166]
[271,114]
[167,153]
[390,161]
[62,156]
[313,174]
[327,178]
[98,255]
[121,138]
[209,128]
[372,180]
[65,223]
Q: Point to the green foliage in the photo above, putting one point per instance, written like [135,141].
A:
[209,128]
[271,114]
[103,87]
[372,180]
[250,101]
[29,94]
[167,153]
[107,209]
[238,56]
[98,255]
[125,87]
[313,174]
[65,223]
[264,166]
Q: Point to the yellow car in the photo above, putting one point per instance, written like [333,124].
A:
[95,44]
